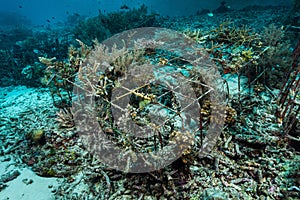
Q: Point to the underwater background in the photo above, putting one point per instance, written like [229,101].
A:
[236,62]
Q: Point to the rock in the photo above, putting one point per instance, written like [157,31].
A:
[213,194]
[38,136]
[9,176]
[27,181]
[2,186]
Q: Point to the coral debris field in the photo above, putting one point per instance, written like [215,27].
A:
[256,155]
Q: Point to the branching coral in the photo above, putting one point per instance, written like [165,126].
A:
[60,75]
[65,118]
[261,56]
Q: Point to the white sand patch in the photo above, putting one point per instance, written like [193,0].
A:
[17,189]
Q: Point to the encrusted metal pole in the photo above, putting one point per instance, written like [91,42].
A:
[288,101]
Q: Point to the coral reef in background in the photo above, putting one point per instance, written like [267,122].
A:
[106,25]
[21,47]
[19,55]
[292,19]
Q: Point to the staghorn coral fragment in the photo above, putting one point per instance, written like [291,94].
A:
[47,61]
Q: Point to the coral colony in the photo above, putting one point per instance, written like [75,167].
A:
[58,82]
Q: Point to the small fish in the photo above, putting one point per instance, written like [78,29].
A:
[210,14]
[48,20]
[124,7]
[53,17]
[105,21]
[36,51]
[20,6]
[3,35]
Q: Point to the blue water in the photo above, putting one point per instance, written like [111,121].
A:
[39,11]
